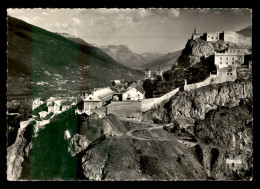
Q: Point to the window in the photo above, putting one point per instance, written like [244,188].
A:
[233,63]
[226,62]
[227,58]
[220,62]
[220,58]
[228,73]
[212,37]
[233,58]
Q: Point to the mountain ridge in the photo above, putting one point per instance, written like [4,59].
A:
[33,52]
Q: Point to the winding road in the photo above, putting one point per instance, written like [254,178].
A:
[130,135]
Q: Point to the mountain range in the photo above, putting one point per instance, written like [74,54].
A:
[39,59]
[125,56]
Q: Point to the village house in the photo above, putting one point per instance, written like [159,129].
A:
[116,82]
[57,106]
[104,94]
[92,102]
[132,94]
[66,105]
[43,114]
[50,107]
[36,103]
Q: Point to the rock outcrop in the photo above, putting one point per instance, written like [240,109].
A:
[195,49]
[18,161]
[196,103]
[226,135]
[77,144]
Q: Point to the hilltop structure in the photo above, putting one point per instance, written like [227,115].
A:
[228,36]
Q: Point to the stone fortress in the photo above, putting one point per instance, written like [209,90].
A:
[228,36]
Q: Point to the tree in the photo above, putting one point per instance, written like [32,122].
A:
[149,88]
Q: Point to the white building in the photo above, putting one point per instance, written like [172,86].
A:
[92,102]
[57,105]
[36,103]
[43,114]
[231,57]
[132,94]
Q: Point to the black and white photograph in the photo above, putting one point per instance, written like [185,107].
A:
[124,94]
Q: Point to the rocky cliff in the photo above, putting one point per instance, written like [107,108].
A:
[195,49]
[18,161]
[196,103]
[219,119]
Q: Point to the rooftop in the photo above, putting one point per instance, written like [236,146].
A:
[92,98]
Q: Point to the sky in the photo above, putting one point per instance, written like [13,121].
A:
[142,30]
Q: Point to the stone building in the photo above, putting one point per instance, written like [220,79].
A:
[212,36]
[148,73]
[57,106]
[116,82]
[151,75]
[234,57]
[132,94]
[50,107]
[228,36]
[66,105]
[36,103]
[92,102]
[226,74]
[196,35]
[43,114]
[104,94]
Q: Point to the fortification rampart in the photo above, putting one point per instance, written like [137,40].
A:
[147,104]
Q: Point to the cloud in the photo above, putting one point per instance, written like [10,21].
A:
[36,18]
[65,25]
[175,12]
[76,20]
[45,13]
[57,24]
[204,11]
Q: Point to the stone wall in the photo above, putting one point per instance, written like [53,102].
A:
[147,104]
[128,111]
[44,122]
[24,124]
